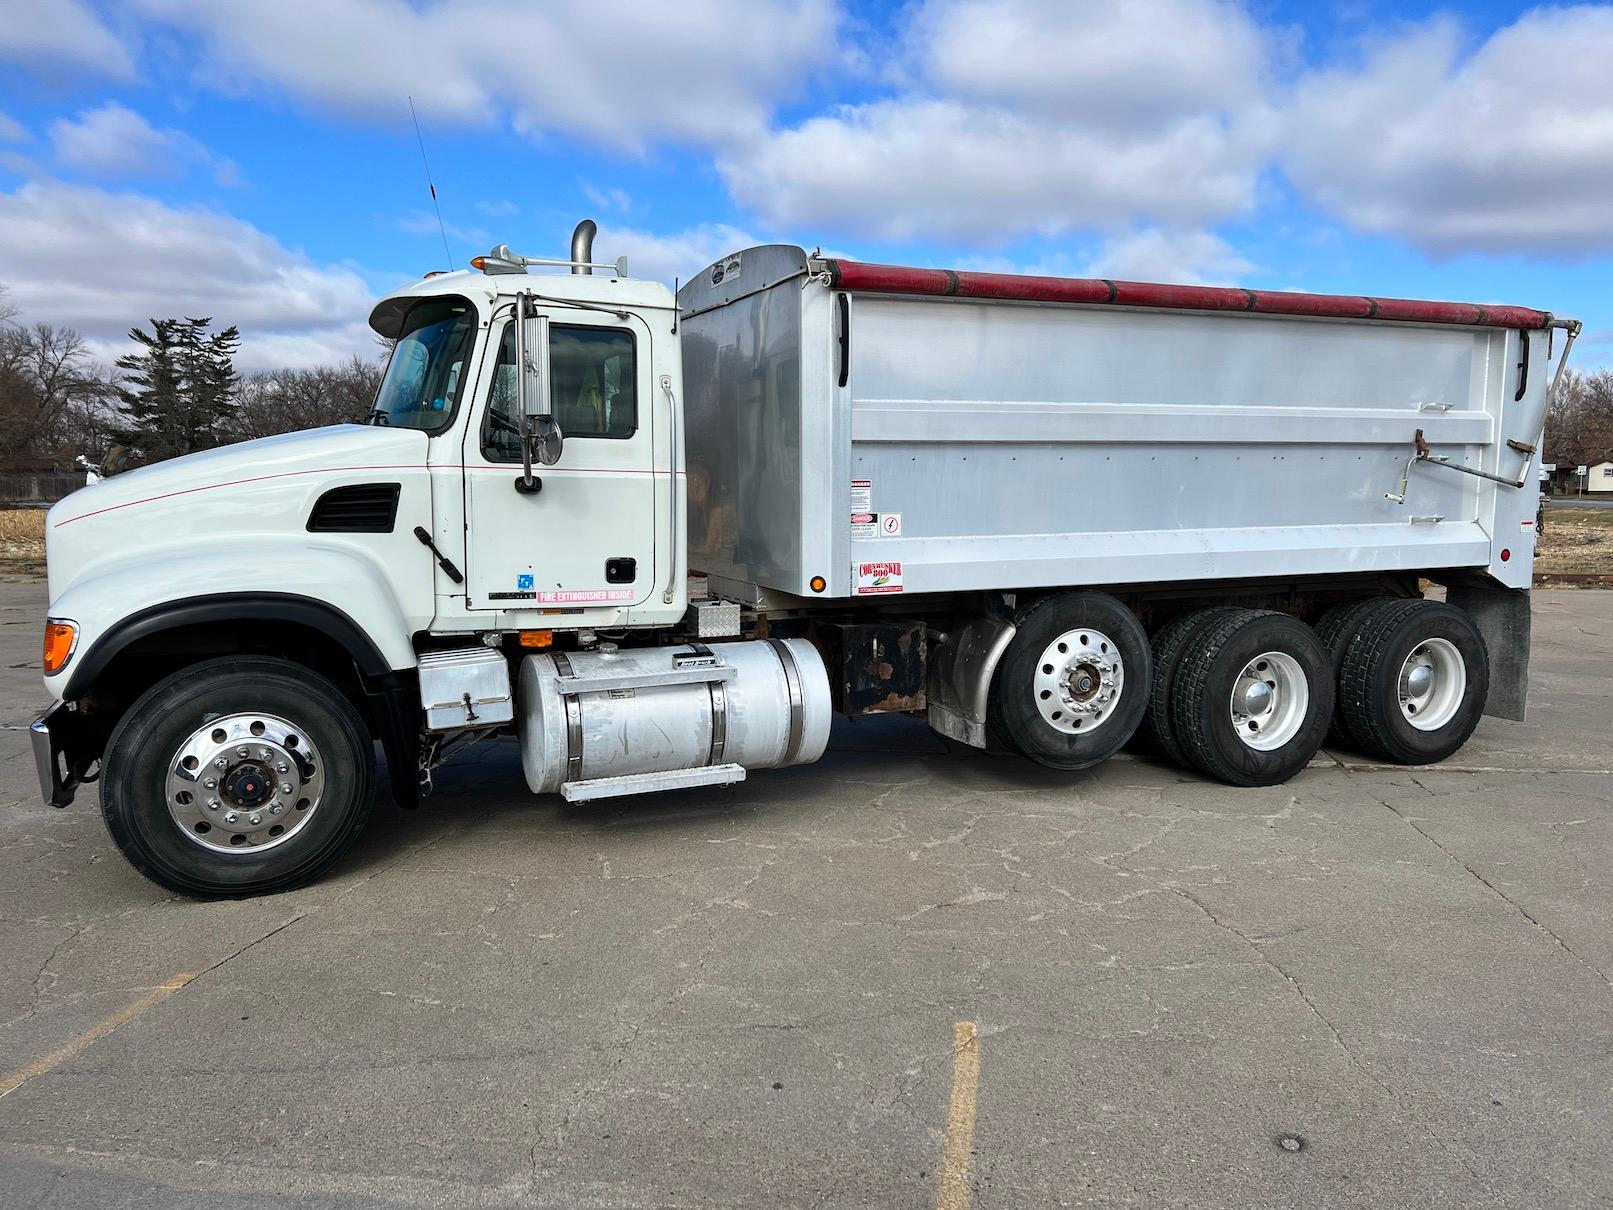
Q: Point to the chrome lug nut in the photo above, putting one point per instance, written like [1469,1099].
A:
[211,783]
[285,787]
[282,767]
[241,751]
[254,819]
[213,804]
[221,763]
[276,807]
[231,816]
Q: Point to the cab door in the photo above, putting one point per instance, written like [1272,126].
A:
[586,539]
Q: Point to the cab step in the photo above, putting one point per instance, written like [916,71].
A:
[651,783]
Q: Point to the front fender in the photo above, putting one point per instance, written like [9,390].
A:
[334,589]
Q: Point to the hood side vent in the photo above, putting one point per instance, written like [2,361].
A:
[358,508]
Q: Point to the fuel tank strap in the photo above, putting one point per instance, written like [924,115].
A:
[573,721]
[792,680]
[719,711]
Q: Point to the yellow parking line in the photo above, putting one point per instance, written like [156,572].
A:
[89,1037]
[955,1191]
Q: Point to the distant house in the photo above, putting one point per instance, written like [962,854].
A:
[1599,477]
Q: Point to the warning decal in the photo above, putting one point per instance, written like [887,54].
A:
[873,579]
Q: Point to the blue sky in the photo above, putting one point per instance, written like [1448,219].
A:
[256,161]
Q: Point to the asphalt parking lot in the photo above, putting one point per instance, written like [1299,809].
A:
[910,975]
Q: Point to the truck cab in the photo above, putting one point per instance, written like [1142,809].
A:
[596,542]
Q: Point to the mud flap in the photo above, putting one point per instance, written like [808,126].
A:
[1502,616]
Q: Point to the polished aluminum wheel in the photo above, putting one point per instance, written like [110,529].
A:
[1269,701]
[1432,682]
[1079,680]
[246,781]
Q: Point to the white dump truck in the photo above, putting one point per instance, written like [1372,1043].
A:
[661,540]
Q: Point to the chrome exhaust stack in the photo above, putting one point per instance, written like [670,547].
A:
[582,247]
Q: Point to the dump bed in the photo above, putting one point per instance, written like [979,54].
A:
[898,430]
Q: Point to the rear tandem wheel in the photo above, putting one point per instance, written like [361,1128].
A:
[1073,684]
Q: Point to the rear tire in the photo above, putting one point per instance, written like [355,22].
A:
[1170,643]
[1073,685]
[1414,682]
[240,776]
[1336,631]
[1252,698]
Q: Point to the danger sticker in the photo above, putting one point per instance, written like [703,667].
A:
[862,495]
[873,579]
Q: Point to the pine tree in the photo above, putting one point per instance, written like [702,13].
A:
[180,387]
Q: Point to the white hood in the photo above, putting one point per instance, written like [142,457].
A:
[220,494]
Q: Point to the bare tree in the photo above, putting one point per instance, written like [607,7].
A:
[1579,420]
[50,392]
[284,401]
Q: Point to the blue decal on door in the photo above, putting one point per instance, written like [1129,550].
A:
[523,583]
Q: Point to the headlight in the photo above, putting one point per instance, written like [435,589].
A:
[60,639]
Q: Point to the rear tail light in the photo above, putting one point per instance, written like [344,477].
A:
[60,639]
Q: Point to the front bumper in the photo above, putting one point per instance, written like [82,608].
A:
[57,783]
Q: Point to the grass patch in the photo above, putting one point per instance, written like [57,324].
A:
[22,538]
[1577,541]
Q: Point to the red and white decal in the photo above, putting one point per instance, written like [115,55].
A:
[874,579]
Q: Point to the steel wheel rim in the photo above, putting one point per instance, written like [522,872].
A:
[1079,679]
[1432,682]
[1269,699]
[244,782]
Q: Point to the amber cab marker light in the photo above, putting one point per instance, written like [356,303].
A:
[818,583]
[537,638]
[59,640]
[478,262]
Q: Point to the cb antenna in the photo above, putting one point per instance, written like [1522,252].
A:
[435,205]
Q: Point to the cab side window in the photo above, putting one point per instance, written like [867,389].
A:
[592,388]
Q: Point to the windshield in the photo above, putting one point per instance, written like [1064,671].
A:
[422,382]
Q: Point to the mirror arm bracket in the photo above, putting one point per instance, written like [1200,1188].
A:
[528,484]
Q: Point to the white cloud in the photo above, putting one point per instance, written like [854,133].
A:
[11,130]
[620,72]
[1060,59]
[1032,117]
[45,35]
[680,254]
[1506,149]
[114,141]
[102,262]
[1194,257]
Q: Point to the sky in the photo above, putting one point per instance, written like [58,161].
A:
[256,160]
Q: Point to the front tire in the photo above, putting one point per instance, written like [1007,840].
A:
[240,776]
[1073,684]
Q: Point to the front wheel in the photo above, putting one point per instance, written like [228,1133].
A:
[240,776]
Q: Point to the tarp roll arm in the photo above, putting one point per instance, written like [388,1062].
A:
[1527,448]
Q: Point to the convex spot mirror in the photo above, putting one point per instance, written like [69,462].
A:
[547,439]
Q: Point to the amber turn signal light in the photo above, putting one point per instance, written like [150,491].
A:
[818,583]
[537,638]
[60,638]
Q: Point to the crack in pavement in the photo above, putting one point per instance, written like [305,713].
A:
[1488,885]
[1332,1029]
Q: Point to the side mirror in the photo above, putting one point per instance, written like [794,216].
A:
[540,434]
